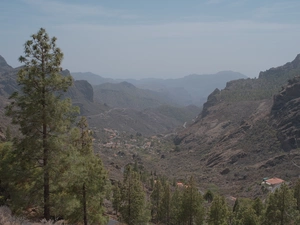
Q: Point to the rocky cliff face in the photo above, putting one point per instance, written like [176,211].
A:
[286,115]
[8,77]
[4,67]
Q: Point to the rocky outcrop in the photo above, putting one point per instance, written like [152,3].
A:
[4,67]
[211,100]
[286,115]
[80,90]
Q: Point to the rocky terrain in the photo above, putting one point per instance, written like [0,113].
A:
[245,132]
[285,114]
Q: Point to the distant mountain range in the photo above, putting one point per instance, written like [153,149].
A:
[126,95]
[119,106]
[191,89]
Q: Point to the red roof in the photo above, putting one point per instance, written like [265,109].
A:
[274,181]
[179,184]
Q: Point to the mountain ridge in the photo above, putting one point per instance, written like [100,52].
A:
[191,89]
[82,95]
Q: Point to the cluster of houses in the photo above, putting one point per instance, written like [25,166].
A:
[115,141]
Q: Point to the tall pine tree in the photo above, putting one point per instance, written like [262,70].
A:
[297,194]
[116,197]
[166,204]
[192,204]
[43,118]
[176,209]
[218,212]
[133,208]
[86,178]
[282,207]
[156,201]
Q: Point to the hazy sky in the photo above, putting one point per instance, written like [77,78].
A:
[157,38]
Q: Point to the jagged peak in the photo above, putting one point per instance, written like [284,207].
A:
[297,58]
[296,61]
[3,64]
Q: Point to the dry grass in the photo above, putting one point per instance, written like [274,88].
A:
[6,218]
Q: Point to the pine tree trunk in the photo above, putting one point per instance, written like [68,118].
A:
[46,186]
[129,200]
[45,162]
[84,205]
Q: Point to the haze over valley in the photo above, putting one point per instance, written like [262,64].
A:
[149,113]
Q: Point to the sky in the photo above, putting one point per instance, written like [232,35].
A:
[157,38]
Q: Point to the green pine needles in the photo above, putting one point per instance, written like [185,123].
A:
[53,167]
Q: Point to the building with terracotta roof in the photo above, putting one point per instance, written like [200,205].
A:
[273,183]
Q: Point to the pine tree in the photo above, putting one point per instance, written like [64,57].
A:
[165,208]
[209,196]
[244,213]
[258,207]
[133,208]
[156,201]
[86,178]
[116,197]
[297,193]
[281,207]
[248,217]
[236,206]
[218,213]
[8,134]
[176,212]
[192,204]
[6,170]
[43,118]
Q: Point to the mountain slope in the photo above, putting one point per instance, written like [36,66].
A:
[244,134]
[126,95]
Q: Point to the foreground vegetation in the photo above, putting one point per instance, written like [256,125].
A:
[50,168]
[159,202]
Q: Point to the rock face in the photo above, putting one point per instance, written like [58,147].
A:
[286,115]
[4,67]
[211,100]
